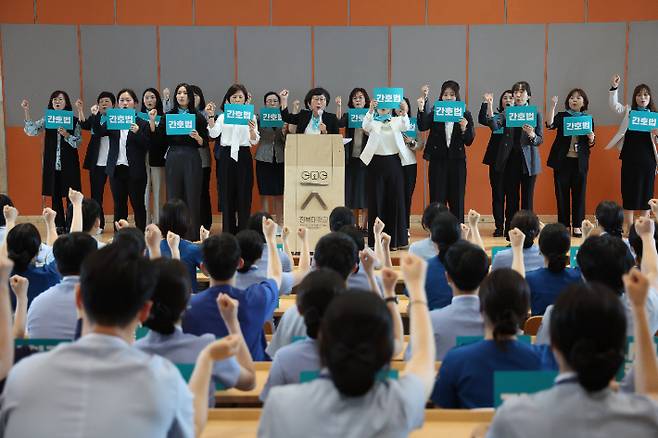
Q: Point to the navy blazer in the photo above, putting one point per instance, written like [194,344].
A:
[491,152]
[436,146]
[530,148]
[302,119]
[561,145]
[137,145]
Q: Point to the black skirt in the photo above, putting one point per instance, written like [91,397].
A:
[637,179]
[269,177]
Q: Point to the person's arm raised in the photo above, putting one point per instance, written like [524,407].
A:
[285,238]
[368,261]
[646,364]
[49,216]
[645,227]
[19,286]
[473,221]
[173,241]
[11,214]
[390,279]
[228,308]
[377,230]
[6,332]
[76,201]
[153,237]
[421,363]
[274,269]
[517,238]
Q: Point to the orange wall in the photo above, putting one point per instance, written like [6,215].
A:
[24,177]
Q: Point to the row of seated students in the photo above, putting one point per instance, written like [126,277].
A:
[347,316]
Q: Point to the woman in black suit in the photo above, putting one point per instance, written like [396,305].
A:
[446,156]
[569,158]
[313,119]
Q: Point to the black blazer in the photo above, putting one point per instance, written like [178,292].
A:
[436,147]
[560,147]
[160,133]
[349,133]
[491,152]
[136,146]
[70,172]
[529,148]
[302,119]
[91,156]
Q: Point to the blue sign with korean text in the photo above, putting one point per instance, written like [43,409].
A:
[180,124]
[271,118]
[145,117]
[235,114]
[119,119]
[412,132]
[510,383]
[54,119]
[517,116]
[579,125]
[389,97]
[355,117]
[449,110]
[643,121]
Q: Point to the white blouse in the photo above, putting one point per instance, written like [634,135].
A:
[233,136]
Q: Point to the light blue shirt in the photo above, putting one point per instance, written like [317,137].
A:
[390,409]
[98,386]
[425,249]
[45,255]
[286,263]
[53,313]
[290,326]
[184,348]
[289,363]
[256,275]
[359,280]
[461,317]
[532,259]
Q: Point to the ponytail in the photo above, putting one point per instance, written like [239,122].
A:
[557,262]
[353,368]
[161,319]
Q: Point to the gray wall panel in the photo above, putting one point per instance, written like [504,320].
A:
[427,55]
[502,55]
[198,55]
[585,56]
[38,59]
[274,58]
[643,57]
[348,57]
[114,57]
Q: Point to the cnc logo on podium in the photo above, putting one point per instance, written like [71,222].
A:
[314,177]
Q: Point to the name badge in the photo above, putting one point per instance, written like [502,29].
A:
[449,110]
[235,114]
[517,116]
[54,119]
[412,132]
[270,118]
[180,124]
[389,97]
[119,119]
[578,125]
[355,117]
[643,121]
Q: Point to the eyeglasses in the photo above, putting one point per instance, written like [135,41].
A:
[319,98]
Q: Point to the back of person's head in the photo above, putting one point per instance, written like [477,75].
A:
[605,259]
[221,256]
[610,217]
[467,265]
[314,294]
[251,248]
[71,249]
[170,295]
[356,340]
[23,242]
[336,251]
[339,217]
[445,231]
[131,240]
[115,285]
[430,213]
[636,241]
[4,200]
[554,242]
[174,217]
[255,222]
[355,235]
[91,215]
[528,222]
[504,302]
[588,327]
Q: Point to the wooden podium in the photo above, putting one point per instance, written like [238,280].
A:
[314,184]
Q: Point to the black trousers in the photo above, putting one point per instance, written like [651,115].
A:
[447,180]
[123,187]
[515,180]
[183,175]
[97,180]
[206,207]
[409,173]
[385,191]
[56,202]
[235,181]
[570,188]
[497,197]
